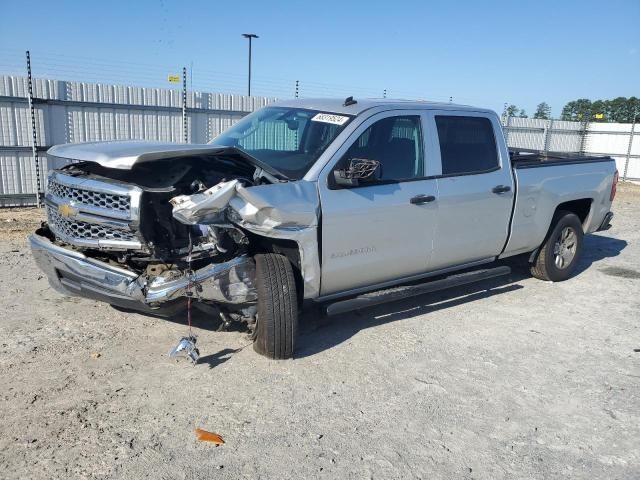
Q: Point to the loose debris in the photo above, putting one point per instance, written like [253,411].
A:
[186,347]
[211,437]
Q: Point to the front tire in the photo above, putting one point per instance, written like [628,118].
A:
[277,320]
[562,249]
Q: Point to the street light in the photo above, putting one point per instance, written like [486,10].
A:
[250,36]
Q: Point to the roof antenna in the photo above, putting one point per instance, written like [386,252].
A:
[349,101]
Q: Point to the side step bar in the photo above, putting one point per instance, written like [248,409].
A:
[399,293]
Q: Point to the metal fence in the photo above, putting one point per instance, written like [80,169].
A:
[619,140]
[71,112]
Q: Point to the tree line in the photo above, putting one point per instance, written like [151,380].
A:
[618,110]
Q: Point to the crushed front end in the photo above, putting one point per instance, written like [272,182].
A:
[110,236]
[72,272]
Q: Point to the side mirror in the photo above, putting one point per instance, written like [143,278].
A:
[360,170]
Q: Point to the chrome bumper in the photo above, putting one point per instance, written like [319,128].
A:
[73,273]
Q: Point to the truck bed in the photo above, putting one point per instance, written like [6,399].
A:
[571,179]
[524,158]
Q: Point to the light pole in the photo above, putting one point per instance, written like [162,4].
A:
[250,36]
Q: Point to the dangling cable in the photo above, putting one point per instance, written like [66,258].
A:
[189,277]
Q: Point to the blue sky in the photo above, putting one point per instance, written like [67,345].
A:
[480,52]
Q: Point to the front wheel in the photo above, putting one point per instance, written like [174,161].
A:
[277,320]
[561,250]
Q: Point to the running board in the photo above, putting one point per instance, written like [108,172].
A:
[399,293]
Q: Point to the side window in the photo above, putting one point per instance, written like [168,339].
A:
[467,144]
[396,142]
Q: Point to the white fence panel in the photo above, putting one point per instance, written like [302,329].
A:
[593,138]
[72,112]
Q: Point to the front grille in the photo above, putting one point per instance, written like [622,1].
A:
[73,229]
[109,201]
[90,213]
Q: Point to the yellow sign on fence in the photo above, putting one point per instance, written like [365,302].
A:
[599,116]
[174,78]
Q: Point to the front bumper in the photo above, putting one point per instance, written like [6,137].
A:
[73,273]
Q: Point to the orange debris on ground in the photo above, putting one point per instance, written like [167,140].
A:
[205,436]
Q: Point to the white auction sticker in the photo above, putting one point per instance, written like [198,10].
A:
[330,118]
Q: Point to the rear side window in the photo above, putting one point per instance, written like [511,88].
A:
[467,144]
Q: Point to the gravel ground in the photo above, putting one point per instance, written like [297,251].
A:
[513,378]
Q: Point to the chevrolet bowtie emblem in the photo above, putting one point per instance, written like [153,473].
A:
[67,210]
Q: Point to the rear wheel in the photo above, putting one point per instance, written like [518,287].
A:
[277,319]
[561,250]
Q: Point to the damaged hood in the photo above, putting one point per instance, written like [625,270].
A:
[124,155]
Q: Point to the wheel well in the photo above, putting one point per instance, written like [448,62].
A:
[580,207]
[287,248]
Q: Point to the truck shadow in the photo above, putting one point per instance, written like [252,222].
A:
[178,314]
[320,332]
[598,247]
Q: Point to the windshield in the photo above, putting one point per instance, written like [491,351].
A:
[288,139]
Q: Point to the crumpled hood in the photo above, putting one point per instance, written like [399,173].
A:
[124,155]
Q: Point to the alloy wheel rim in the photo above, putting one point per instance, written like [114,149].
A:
[564,250]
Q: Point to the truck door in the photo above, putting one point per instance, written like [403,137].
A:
[475,188]
[381,230]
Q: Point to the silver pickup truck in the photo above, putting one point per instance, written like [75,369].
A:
[343,202]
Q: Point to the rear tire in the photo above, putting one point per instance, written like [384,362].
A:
[562,249]
[277,320]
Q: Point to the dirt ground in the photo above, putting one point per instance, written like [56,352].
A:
[513,378]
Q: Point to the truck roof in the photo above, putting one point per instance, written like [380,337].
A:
[337,105]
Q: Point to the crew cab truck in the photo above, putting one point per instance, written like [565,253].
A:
[322,200]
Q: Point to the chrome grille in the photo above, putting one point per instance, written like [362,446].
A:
[74,229]
[94,214]
[109,201]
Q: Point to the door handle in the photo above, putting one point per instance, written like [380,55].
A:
[422,199]
[500,189]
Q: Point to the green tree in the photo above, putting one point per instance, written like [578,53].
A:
[617,109]
[577,110]
[600,111]
[634,104]
[543,111]
[623,109]
[620,110]
[522,113]
[512,111]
